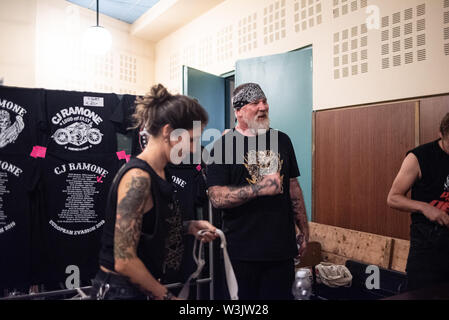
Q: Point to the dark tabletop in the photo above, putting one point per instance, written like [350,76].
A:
[438,292]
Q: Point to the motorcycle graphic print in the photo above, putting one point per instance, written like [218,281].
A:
[78,134]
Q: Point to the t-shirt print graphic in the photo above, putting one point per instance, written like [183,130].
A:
[80,132]
[81,122]
[9,129]
[443,202]
[174,247]
[262,163]
[20,112]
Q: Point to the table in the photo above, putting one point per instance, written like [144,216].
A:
[438,292]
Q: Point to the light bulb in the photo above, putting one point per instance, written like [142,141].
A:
[97,40]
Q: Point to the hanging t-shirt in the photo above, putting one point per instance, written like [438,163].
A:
[74,197]
[122,117]
[433,187]
[80,122]
[124,113]
[261,229]
[190,191]
[20,109]
[17,180]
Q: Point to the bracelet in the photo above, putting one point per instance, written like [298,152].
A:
[168,296]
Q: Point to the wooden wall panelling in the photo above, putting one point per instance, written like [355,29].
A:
[358,152]
[432,111]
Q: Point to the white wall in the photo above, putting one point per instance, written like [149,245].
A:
[45,49]
[214,41]
[17,42]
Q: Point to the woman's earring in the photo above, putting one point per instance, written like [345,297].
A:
[144,132]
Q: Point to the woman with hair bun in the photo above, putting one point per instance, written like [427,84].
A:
[142,237]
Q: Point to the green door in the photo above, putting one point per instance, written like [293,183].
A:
[287,82]
[209,90]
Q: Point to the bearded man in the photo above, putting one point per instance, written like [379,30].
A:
[252,177]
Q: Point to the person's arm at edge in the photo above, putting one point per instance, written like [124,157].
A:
[408,174]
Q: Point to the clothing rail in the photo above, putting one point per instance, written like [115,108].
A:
[84,292]
[35,296]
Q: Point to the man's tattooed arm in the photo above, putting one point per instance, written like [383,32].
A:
[225,197]
[134,196]
[299,207]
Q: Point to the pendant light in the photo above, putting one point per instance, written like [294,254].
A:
[97,40]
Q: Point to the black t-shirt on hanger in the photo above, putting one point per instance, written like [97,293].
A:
[17,182]
[20,109]
[81,122]
[74,192]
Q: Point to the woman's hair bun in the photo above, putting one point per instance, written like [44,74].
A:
[159,94]
[158,108]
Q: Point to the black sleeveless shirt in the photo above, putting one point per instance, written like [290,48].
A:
[433,187]
[160,247]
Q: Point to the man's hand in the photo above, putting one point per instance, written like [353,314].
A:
[197,225]
[436,215]
[270,185]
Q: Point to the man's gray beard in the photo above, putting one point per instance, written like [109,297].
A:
[258,127]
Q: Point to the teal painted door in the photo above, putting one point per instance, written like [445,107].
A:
[287,82]
[209,90]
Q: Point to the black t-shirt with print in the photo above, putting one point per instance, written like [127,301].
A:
[74,192]
[190,191]
[263,228]
[17,181]
[20,109]
[81,122]
[433,187]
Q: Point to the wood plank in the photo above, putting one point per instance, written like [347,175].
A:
[432,111]
[333,258]
[358,153]
[352,244]
[399,254]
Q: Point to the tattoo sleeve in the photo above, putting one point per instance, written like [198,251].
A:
[226,197]
[129,216]
[298,207]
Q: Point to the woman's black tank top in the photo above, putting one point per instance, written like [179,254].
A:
[160,247]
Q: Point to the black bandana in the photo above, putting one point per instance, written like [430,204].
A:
[250,92]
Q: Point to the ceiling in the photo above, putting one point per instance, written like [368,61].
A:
[124,10]
[169,15]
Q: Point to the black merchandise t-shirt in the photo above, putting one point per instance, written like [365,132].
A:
[262,229]
[17,181]
[190,191]
[20,109]
[124,113]
[74,193]
[81,122]
[433,187]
